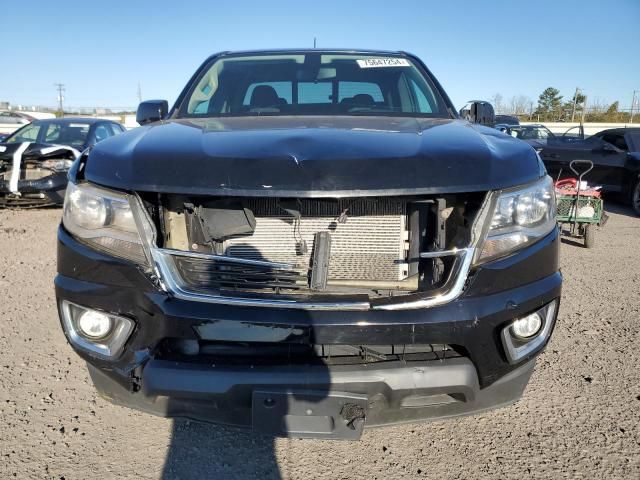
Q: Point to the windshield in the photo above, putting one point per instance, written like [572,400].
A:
[313,84]
[72,134]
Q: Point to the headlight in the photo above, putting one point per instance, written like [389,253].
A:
[520,218]
[104,220]
[57,165]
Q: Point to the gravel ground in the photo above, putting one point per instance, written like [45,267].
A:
[579,417]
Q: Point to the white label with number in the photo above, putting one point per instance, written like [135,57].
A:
[383,62]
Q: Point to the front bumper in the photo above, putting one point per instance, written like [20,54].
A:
[481,378]
[395,393]
[42,191]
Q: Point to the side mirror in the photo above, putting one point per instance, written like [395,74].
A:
[479,111]
[151,111]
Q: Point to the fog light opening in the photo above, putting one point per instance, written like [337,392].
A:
[99,333]
[528,326]
[94,325]
[527,335]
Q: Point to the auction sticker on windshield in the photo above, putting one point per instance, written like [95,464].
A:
[383,62]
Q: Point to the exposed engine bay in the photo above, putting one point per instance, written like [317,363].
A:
[33,174]
[379,246]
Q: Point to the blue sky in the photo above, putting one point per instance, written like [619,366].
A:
[101,50]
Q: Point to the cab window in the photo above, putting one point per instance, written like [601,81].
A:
[101,132]
[351,89]
[52,133]
[283,90]
[616,140]
[26,134]
[115,128]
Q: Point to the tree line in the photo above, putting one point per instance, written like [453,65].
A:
[551,107]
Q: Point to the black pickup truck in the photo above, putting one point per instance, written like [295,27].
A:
[309,242]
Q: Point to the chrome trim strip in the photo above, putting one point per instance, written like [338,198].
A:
[169,274]
[441,253]
[170,277]
[223,258]
[462,273]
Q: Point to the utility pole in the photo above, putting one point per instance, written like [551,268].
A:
[633,104]
[575,101]
[314,42]
[60,87]
[584,110]
[139,93]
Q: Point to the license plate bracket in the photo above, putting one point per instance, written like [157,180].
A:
[309,413]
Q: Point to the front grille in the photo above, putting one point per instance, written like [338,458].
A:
[368,243]
[206,273]
[318,254]
[234,353]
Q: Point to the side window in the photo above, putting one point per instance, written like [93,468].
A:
[423,104]
[351,89]
[592,142]
[202,107]
[115,128]
[616,140]
[101,132]
[312,92]
[28,134]
[405,96]
[52,134]
[283,90]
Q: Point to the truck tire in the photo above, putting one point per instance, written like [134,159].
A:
[589,236]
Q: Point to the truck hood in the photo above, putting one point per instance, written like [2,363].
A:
[312,156]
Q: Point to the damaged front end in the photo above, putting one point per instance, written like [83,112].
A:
[316,253]
[246,310]
[33,174]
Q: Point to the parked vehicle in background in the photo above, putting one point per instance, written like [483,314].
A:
[507,120]
[572,134]
[309,242]
[615,154]
[535,135]
[9,117]
[35,159]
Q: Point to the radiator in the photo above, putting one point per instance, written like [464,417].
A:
[369,237]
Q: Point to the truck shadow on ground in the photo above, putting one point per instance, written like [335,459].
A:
[255,384]
[203,451]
